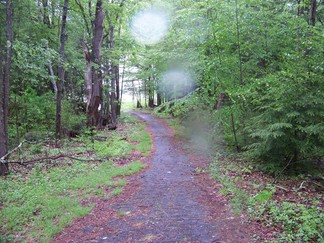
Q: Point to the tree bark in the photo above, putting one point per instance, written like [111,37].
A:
[312,13]
[150,93]
[3,146]
[113,81]
[59,96]
[112,101]
[122,83]
[117,80]
[96,76]
[159,98]
[5,90]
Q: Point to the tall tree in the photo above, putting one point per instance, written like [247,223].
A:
[96,75]
[5,89]
[61,71]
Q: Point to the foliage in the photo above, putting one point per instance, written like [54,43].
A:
[32,113]
[71,118]
[287,123]
[273,106]
[30,62]
[254,194]
[301,223]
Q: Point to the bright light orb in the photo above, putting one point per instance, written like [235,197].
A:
[149,27]
[177,83]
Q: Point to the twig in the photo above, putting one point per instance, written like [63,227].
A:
[289,162]
[282,188]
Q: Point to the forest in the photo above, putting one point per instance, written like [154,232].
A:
[242,76]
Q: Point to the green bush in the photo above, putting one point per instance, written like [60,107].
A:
[287,123]
[36,113]
[71,119]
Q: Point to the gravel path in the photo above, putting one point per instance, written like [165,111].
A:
[168,202]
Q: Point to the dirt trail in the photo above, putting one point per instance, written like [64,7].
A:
[168,202]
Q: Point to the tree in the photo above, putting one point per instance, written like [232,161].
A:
[61,71]
[5,89]
[93,72]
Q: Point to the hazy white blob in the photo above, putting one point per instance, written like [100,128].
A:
[177,83]
[150,26]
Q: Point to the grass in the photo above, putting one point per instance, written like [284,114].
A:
[48,200]
[142,139]
[37,203]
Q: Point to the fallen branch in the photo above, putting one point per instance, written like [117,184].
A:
[282,188]
[54,157]
[2,159]
[301,186]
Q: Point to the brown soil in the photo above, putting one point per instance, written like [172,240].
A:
[168,202]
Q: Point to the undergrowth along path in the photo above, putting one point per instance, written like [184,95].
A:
[169,202]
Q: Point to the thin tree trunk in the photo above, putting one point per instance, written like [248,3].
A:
[117,90]
[17,120]
[159,98]
[59,96]
[122,83]
[52,75]
[234,133]
[3,145]
[113,97]
[50,68]
[238,35]
[312,13]
[46,18]
[112,102]
[5,84]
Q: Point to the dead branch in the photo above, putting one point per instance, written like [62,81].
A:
[2,159]
[282,188]
[54,157]
[301,186]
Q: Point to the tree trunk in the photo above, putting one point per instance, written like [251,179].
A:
[59,96]
[159,98]
[3,145]
[113,97]
[46,18]
[118,107]
[52,75]
[238,36]
[5,91]
[112,101]
[150,93]
[312,13]
[96,76]
[122,84]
